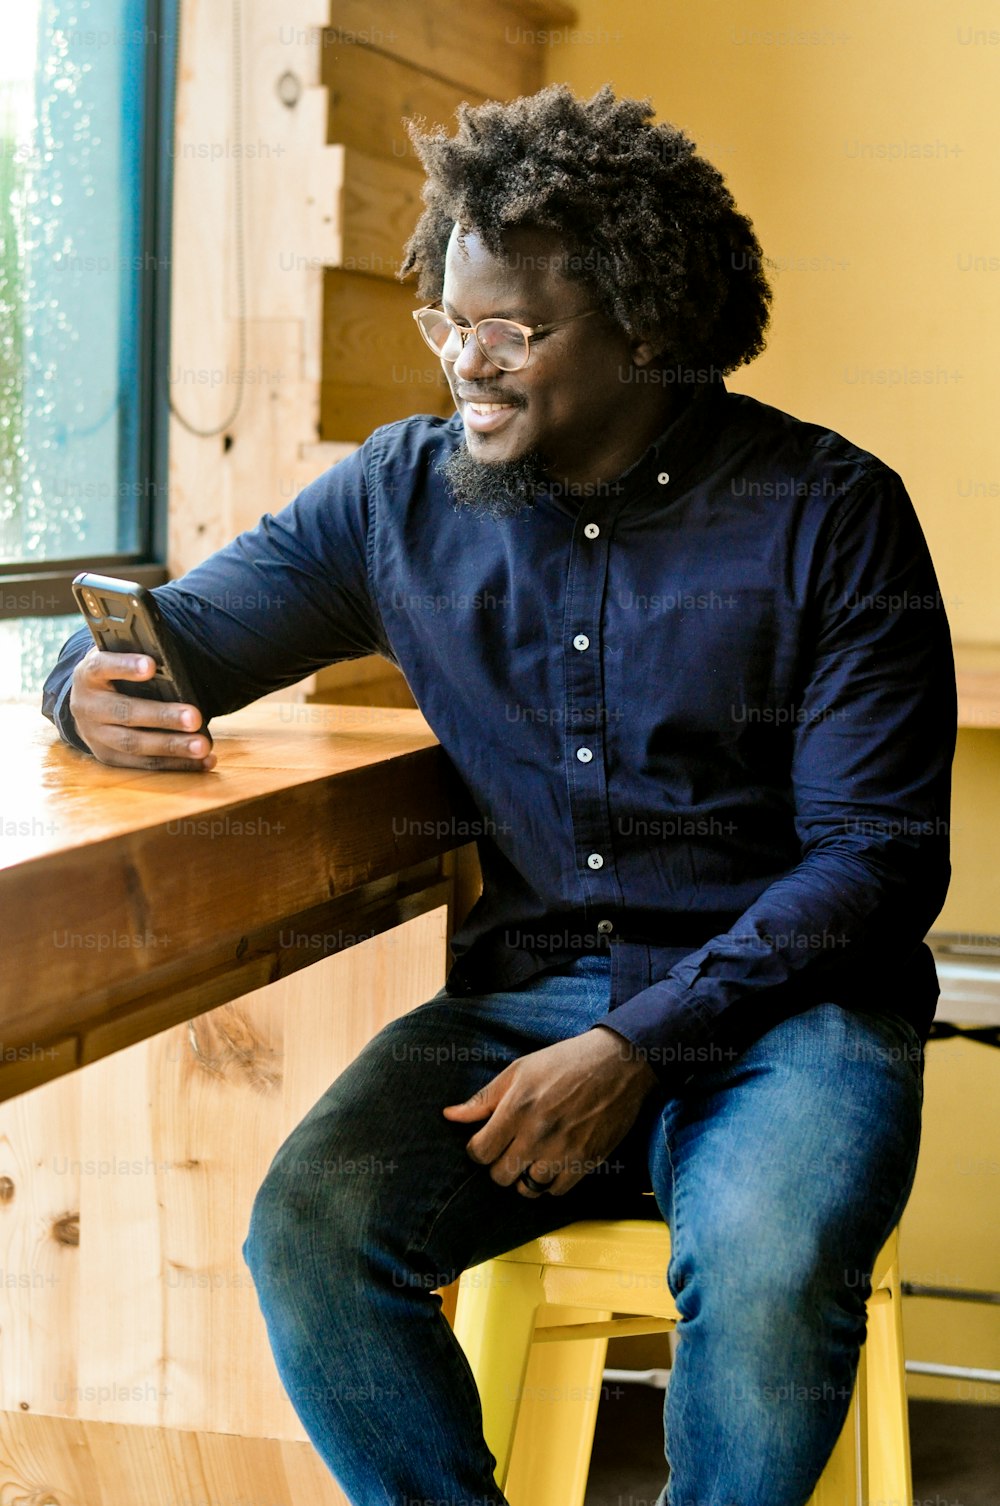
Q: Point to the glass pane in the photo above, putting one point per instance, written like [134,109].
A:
[71,263]
[29,646]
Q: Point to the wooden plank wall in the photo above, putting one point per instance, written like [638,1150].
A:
[417,60]
[134,1363]
[420,59]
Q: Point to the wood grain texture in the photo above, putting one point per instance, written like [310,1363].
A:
[123,888]
[370,95]
[488,46]
[222,484]
[369,338]
[51,1461]
[379,207]
[125,1298]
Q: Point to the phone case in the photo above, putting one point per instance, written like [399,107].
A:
[124,619]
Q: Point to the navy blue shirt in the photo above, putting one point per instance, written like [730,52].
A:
[706,713]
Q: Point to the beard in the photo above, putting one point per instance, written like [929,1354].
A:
[493,489]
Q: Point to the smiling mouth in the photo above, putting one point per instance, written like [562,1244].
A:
[487,407]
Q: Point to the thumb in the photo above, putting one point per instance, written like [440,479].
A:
[479,1106]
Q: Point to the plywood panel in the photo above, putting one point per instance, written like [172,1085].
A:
[51,1461]
[286,179]
[487,46]
[380,206]
[376,368]
[370,95]
[357,410]
[369,336]
[129,1189]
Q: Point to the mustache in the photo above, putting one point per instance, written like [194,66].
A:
[488,396]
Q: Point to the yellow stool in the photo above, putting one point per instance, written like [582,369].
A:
[515,1314]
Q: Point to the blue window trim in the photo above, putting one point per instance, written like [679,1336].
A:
[147,321]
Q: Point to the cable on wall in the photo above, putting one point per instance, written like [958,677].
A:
[241,291]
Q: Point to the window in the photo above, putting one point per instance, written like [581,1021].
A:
[85,87]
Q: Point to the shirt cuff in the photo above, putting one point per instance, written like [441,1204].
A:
[670,1032]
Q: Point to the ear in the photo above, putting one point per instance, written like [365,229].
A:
[643,352]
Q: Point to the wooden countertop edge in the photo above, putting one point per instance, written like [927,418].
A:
[112,1020]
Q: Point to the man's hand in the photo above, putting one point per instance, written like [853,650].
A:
[109,721]
[559,1112]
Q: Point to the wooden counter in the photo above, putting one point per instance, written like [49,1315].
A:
[130,900]
[163,923]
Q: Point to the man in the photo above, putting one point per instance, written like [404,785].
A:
[694,670]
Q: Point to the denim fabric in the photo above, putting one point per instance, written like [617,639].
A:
[780,1171]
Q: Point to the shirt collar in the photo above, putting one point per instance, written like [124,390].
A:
[672,454]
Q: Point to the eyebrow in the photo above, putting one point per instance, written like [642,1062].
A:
[517,314]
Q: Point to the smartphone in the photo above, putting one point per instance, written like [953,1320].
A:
[124,619]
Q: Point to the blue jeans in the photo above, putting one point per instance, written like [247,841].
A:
[780,1171]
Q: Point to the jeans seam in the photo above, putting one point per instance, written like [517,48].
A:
[421,1247]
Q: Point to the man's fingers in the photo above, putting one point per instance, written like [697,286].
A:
[134,711]
[140,744]
[99,666]
[125,729]
[154,761]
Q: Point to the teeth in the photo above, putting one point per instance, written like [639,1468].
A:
[490,407]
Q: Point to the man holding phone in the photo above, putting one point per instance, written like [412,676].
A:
[690,658]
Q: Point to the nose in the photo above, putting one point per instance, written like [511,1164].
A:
[472,364]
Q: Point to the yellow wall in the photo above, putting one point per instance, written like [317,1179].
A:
[863,140]
[870,250]
[876,286]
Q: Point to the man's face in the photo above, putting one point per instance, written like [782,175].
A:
[570,406]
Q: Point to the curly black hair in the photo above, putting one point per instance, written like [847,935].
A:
[645,221]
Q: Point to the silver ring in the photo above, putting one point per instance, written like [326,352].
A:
[531,1184]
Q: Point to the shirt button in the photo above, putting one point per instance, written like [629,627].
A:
[584,755]
[605,927]
[663,477]
[591,530]
[581,641]
[595,860]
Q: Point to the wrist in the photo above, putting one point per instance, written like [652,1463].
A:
[632,1058]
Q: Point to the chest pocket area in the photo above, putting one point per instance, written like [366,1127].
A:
[709,659]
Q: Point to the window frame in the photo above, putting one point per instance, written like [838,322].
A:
[45,591]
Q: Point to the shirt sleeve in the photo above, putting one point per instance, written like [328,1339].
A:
[870,775]
[285,598]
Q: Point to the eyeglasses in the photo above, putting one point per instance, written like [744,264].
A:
[502,341]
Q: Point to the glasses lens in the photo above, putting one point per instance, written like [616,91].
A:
[503,343]
[437,330]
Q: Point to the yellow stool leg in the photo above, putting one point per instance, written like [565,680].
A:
[841,1481]
[555,1434]
[870,1464]
[494,1321]
[884,1396]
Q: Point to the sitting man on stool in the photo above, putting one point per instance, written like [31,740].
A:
[689,656]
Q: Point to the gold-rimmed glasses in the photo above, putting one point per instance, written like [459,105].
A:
[504,342]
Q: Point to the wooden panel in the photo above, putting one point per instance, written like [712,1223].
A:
[129,1187]
[362,682]
[275,951]
[222,484]
[380,206]
[977,667]
[369,338]
[488,46]
[370,95]
[51,1461]
[357,410]
[376,368]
